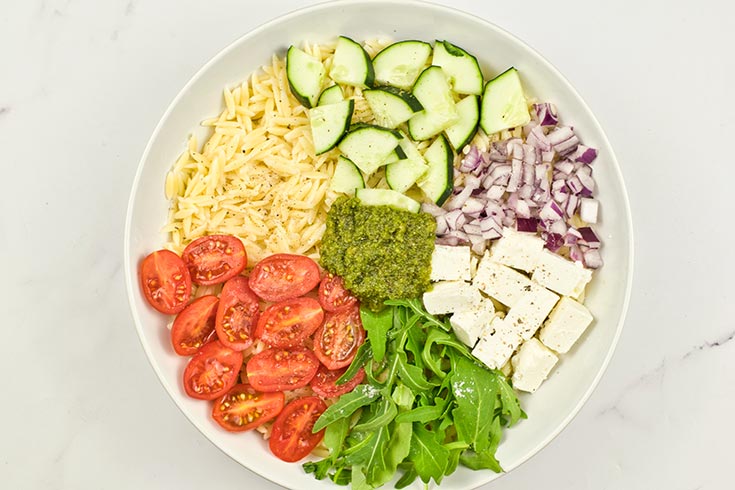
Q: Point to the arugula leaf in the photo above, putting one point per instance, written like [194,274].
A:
[343,476]
[319,468]
[382,414]
[413,376]
[371,457]
[377,325]
[364,352]
[334,437]
[347,405]
[418,307]
[359,481]
[428,456]
[409,476]
[480,461]
[509,400]
[403,396]
[399,446]
[421,414]
[475,393]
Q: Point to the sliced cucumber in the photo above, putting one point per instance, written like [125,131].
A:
[433,92]
[331,95]
[503,104]
[392,106]
[329,123]
[396,155]
[351,65]
[438,180]
[400,63]
[387,197]
[347,177]
[401,175]
[305,76]
[460,133]
[462,69]
[369,146]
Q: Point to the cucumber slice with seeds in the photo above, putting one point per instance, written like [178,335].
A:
[329,123]
[404,173]
[400,63]
[433,92]
[369,147]
[462,69]
[392,106]
[460,133]
[305,75]
[347,177]
[331,95]
[438,180]
[503,104]
[351,65]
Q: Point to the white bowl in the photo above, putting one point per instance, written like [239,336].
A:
[562,396]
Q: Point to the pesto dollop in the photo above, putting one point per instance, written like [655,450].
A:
[380,252]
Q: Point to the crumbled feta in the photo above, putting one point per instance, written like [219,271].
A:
[561,275]
[451,263]
[450,297]
[517,249]
[566,323]
[530,311]
[501,282]
[496,344]
[468,324]
[531,365]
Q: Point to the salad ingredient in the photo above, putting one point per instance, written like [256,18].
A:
[497,344]
[214,259]
[503,104]
[438,180]
[194,325]
[331,95]
[369,147]
[400,63]
[567,322]
[434,93]
[450,263]
[561,275]
[333,296]
[387,197]
[336,341]
[347,177]
[324,382]
[306,76]
[462,69]
[280,369]
[165,282]
[531,365]
[530,312]
[351,65]
[469,324]
[380,252]
[517,249]
[212,371]
[391,106]
[588,209]
[292,438]
[451,296]
[462,132]
[289,323]
[284,276]
[244,408]
[401,175]
[501,283]
[329,123]
[237,314]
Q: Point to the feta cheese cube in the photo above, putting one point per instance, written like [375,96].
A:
[566,323]
[473,265]
[450,263]
[450,297]
[561,275]
[527,315]
[469,324]
[517,249]
[496,344]
[501,282]
[531,365]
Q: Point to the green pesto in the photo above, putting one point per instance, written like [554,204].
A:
[380,252]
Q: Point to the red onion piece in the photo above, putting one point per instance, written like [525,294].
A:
[455,219]
[589,237]
[516,174]
[554,241]
[473,207]
[551,212]
[546,114]
[588,209]
[441,225]
[432,209]
[470,161]
[527,224]
[583,154]
[593,259]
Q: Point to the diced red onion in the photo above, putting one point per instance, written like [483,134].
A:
[565,167]
[529,173]
[575,253]
[515,149]
[455,219]
[456,202]
[447,240]
[526,191]
[472,181]
[473,207]
[572,236]
[551,212]
[538,139]
[589,237]
[546,114]
[498,153]
[441,225]
[571,206]
[583,154]
[554,241]
[472,229]
[522,209]
[470,161]
[459,235]
[516,174]
[575,185]
[432,209]
[548,156]
[563,140]
[584,175]
[527,224]
[495,192]
[593,259]
[559,227]
[588,209]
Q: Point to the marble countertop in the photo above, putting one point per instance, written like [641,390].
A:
[84,82]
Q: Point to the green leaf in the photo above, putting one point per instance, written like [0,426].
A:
[334,437]
[511,406]
[372,457]
[428,456]
[381,414]
[452,461]
[319,468]
[417,306]
[409,476]
[398,447]
[359,480]
[403,396]
[412,376]
[364,352]
[421,414]
[484,460]
[475,393]
[377,324]
[343,476]
[414,344]
[346,405]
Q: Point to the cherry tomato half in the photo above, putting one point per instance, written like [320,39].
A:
[212,371]
[165,281]
[280,369]
[243,408]
[332,293]
[337,340]
[284,276]
[237,314]
[323,382]
[214,259]
[291,438]
[194,325]
[288,323]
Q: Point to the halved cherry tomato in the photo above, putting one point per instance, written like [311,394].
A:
[214,259]
[244,408]
[280,369]
[212,371]
[237,314]
[165,281]
[337,340]
[288,323]
[194,325]
[323,383]
[332,293]
[291,438]
[284,276]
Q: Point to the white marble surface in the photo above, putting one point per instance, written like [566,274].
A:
[82,84]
